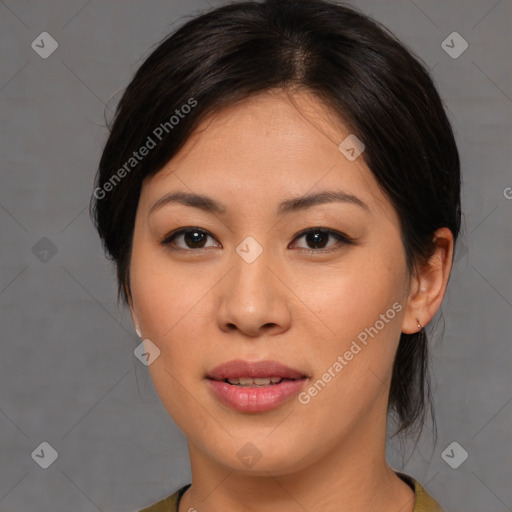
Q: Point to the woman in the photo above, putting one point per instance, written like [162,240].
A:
[280,194]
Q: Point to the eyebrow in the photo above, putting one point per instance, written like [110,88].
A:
[208,204]
[309,200]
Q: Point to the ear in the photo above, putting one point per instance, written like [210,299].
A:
[428,284]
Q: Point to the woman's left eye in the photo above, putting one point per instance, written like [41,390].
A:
[319,238]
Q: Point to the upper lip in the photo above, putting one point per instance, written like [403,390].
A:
[239,368]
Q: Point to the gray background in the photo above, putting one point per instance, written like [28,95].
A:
[68,375]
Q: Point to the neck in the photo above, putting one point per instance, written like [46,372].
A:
[351,476]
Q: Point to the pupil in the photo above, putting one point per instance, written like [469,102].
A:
[317,239]
[194,239]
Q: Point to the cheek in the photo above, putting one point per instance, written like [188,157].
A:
[176,312]
[362,305]
[163,294]
[351,296]
[169,304]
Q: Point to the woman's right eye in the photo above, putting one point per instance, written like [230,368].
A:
[188,239]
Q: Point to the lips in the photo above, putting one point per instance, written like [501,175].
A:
[254,386]
[238,368]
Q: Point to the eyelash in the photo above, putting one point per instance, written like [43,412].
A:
[340,237]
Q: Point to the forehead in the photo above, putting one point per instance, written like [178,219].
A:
[264,149]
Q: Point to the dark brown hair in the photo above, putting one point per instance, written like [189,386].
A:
[349,61]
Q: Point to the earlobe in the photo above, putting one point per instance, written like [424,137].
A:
[135,322]
[428,284]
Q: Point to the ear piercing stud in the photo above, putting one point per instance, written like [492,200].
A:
[419,324]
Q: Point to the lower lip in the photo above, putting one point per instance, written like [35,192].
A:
[255,399]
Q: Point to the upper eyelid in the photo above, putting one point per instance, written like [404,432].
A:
[181,231]
[324,230]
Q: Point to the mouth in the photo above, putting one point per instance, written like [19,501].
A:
[255,386]
[248,382]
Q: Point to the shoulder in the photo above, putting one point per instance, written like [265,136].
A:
[423,502]
[169,504]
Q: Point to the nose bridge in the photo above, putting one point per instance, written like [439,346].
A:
[252,280]
[252,297]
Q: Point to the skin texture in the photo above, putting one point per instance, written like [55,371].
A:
[297,304]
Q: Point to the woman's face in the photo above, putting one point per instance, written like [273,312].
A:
[293,257]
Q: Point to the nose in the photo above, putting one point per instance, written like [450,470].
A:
[253,300]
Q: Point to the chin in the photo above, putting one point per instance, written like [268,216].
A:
[261,457]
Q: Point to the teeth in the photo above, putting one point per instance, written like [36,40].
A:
[262,381]
[258,381]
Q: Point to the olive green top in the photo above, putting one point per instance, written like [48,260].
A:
[423,502]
